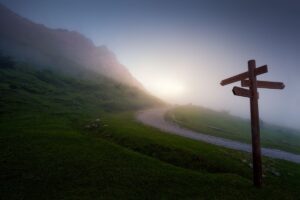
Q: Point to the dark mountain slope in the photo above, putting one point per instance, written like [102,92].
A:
[64,50]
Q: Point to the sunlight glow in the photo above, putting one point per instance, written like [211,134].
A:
[166,88]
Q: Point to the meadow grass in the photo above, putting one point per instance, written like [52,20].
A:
[224,125]
[60,139]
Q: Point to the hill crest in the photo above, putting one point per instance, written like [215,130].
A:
[61,49]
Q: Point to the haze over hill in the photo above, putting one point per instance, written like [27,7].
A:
[64,50]
[180,50]
[69,111]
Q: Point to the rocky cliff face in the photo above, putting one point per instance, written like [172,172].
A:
[64,50]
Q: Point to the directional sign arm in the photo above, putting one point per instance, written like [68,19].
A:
[260,70]
[241,92]
[264,84]
[234,78]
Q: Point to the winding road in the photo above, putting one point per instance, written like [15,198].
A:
[155,118]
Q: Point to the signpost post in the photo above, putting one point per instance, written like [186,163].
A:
[248,79]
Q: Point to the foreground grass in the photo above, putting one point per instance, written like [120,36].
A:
[201,157]
[61,163]
[227,126]
[50,149]
[52,158]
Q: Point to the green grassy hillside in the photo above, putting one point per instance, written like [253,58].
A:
[63,138]
[227,126]
[23,87]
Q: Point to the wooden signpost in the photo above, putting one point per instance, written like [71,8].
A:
[248,79]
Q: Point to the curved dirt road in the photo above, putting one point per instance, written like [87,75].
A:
[155,118]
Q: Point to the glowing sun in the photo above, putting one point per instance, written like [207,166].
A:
[167,88]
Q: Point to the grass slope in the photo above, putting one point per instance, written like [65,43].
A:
[227,126]
[62,138]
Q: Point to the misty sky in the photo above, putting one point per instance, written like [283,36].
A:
[181,50]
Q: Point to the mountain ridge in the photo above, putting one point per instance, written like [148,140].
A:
[61,49]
